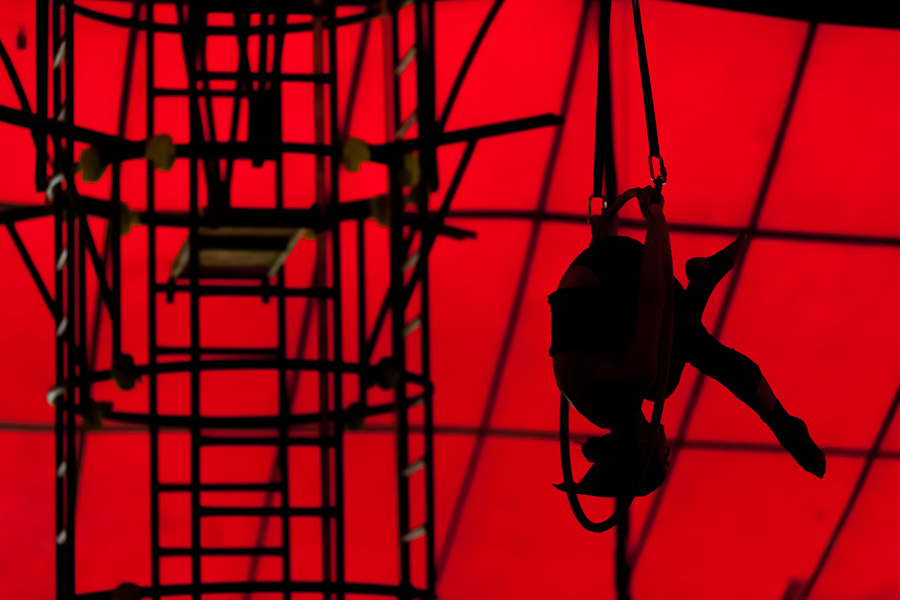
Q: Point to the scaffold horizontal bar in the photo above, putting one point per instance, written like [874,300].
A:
[187,350]
[457,233]
[382,152]
[246,290]
[261,587]
[124,149]
[266,511]
[229,30]
[254,551]
[294,364]
[266,441]
[13,213]
[241,423]
[260,217]
[221,487]
[238,76]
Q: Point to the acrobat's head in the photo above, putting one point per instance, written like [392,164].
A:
[622,457]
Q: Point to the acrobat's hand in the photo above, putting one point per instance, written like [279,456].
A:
[605,224]
[647,199]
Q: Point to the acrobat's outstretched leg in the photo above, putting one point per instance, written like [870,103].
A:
[744,379]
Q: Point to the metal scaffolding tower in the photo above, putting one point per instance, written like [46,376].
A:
[246,249]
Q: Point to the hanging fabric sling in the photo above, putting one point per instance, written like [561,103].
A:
[601,139]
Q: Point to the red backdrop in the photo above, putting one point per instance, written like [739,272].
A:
[815,305]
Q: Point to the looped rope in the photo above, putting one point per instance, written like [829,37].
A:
[662,384]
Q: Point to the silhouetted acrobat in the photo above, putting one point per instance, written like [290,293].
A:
[607,316]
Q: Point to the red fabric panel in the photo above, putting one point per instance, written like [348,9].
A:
[370,493]
[819,325]
[740,525]
[28,330]
[28,514]
[819,318]
[867,543]
[523,79]
[838,154]
[113,512]
[720,82]
[517,537]
[463,357]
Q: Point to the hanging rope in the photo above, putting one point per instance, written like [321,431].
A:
[600,146]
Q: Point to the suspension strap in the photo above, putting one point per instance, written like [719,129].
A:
[602,119]
[602,142]
[650,115]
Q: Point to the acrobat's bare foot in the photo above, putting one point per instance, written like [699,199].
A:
[708,271]
[793,435]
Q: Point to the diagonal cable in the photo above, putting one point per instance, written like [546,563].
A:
[518,298]
[752,227]
[854,496]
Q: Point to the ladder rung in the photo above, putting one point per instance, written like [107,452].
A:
[265,441]
[255,551]
[412,326]
[61,328]
[416,401]
[404,62]
[221,487]
[415,533]
[60,54]
[247,290]
[413,467]
[410,120]
[412,260]
[264,511]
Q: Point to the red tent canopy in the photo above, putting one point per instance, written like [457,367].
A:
[768,124]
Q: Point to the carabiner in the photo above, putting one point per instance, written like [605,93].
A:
[662,169]
[604,205]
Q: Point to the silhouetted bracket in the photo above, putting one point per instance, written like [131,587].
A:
[238,252]
[13,213]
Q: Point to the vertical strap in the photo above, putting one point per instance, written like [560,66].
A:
[652,135]
[602,129]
